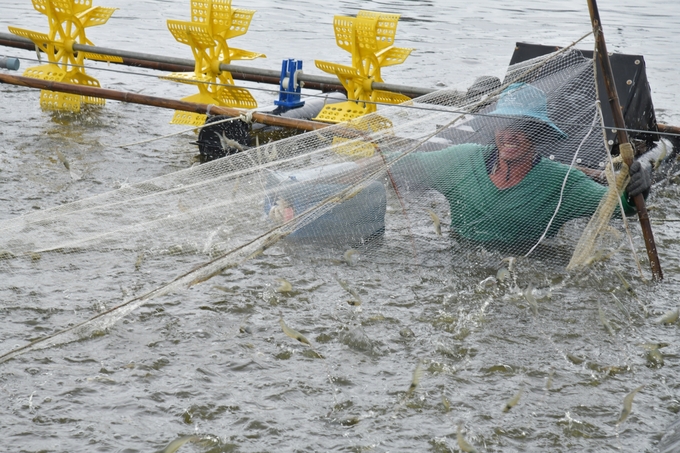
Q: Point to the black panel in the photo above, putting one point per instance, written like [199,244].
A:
[631,83]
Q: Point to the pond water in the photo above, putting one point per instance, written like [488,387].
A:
[212,361]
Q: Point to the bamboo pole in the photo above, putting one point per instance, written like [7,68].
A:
[625,147]
[124,96]
[316,82]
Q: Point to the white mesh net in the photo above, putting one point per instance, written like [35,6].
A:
[503,167]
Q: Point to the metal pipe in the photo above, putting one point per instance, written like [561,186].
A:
[317,82]
[624,144]
[9,63]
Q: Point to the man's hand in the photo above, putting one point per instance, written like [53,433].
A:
[640,180]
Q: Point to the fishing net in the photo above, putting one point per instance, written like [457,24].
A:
[417,186]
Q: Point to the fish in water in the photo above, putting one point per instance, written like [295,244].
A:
[654,356]
[348,256]
[603,320]
[670,317]
[417,375]
[529,296]
[650,346]
[349,289]
[177,443]
[463,444]
[628,405]
[138,263]
[513,401]
[549,382]
[284,286]
[294,334]
[576,360]
[446,403]
[436,221]
[63,160]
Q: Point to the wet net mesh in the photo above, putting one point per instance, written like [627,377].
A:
[412,187]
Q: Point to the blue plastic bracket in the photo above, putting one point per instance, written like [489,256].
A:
[289,94]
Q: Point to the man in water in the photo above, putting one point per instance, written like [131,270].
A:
[505,193]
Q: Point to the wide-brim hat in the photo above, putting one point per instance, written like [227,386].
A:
[521,100]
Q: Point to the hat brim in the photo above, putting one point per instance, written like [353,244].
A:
[561,135]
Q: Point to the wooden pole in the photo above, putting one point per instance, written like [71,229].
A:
[124,96]
[625,147]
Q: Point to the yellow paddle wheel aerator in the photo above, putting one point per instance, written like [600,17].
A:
[369,37]
[68,20]
[213,22]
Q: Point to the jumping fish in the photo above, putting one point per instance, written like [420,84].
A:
[417,374]
[628,405]
[177,443]
[624,282]
[655,358]
[511,262]
[513,401]
[529,296]
[293,333]
[436,221]
[621,307]
[464,444]
[227,143]
[503,274]
[488,283]
[348,256]
[604,321]
[285,286]
[670,317]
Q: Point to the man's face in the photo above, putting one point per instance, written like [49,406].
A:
[514,145]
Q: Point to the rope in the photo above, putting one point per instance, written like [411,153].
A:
[176,133]
[564,183]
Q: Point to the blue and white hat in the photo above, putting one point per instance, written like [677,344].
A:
[523,100]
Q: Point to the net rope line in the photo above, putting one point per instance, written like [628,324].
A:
[542,62]
[564,184]
[192,129]
[261,167]
[600,219]
[254,247]
[204,272]
[623,215]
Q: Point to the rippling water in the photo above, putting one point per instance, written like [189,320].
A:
[213,361]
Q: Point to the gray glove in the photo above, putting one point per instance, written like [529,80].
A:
[640,180]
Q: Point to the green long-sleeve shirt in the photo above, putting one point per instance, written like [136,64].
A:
[516,215]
